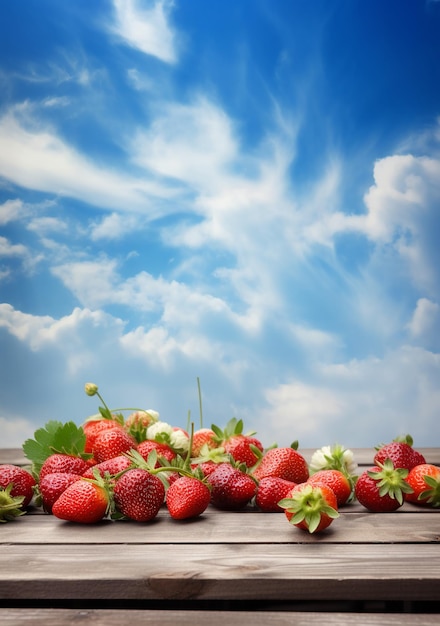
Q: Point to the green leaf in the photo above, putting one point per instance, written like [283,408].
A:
[54,438]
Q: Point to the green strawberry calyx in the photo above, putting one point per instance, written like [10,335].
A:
[391,481]
[432,494]
[10,506]
[308,505]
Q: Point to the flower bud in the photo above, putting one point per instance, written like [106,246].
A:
[91,389]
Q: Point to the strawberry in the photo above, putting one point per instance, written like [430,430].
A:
[337,481]
[284,463]
[137,423]
[242,448]
[424,479]
[139,495]
[401,453]
[94,427]
[111,443]
[381,488]
[52,486]
[187,497]
[231,488]
[310,507]
[22,482]
[270,491]
[10,506]
[112,466]
[164,451]
[84,501]
[66,463]
[202,437]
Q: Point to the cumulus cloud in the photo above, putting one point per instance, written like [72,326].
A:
[113,226]
[10,210]
[369,400]
[146,29]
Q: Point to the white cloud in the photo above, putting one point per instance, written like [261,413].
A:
[8,249]
[10,211]
[113,226]
[15,430]
[370,400]
[191,142]
[38,159]
[424,325]
[43,225]
[146,29]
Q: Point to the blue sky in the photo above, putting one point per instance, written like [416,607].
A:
[246,192]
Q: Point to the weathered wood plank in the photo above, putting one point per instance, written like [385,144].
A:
[227,527]
[67,617]
[316,571]
[363,456]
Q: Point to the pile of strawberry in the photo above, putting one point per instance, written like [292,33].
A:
[128,468]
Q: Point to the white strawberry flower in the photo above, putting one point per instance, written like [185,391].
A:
[179,440]
[159,428]
[333,457]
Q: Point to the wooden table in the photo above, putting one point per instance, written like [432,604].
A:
[246,567]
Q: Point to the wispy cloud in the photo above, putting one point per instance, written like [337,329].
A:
[146,29]
[37,158]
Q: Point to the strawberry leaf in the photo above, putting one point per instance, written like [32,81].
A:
[54,438]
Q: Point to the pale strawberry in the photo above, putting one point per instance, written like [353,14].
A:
[202,437]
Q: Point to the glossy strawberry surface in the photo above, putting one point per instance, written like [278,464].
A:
[23,482]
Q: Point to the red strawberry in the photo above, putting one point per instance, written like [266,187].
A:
[56,463]
[84,501]
[235,443]
[284,463]
[111,443]
[139,495]
[240,448]
[270,491]
[424,479]
[163,450]
[311,507]
[230,487]
[187,497]
[381,488]
[401,453]
[202,437]
[93,428]
[336,480]
[22,482]
[53,485]
[111,466]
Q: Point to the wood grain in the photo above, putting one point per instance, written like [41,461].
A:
[316,571]
[228,527]
[90,617]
